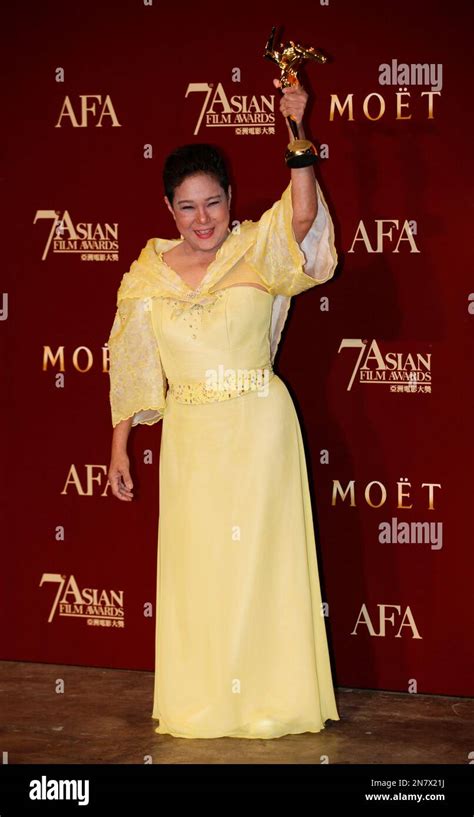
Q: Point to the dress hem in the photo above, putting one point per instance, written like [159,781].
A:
[165,730]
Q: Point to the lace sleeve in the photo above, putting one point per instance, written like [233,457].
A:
[286,267]
[136,375]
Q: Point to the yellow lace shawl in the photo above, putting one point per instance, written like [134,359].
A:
[268,248]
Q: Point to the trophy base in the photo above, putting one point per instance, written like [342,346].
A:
[301,153]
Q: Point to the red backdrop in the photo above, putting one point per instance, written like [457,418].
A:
[98,94]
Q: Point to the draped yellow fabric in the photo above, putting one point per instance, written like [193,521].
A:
[264,251]
[136,375]
[277,256]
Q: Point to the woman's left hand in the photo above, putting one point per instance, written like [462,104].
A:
[293,101]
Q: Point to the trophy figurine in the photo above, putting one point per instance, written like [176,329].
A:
[289,57]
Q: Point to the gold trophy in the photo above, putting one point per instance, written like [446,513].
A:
[300,152]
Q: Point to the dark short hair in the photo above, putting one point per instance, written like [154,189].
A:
[188,160]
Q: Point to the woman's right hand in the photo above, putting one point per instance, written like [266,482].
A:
[119,477]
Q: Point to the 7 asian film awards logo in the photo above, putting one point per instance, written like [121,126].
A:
[247,115]
[92,241]
[100,608]
[406,372]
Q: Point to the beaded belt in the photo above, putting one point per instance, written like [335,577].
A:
[225,385]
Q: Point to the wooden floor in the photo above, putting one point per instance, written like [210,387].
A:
[104,716]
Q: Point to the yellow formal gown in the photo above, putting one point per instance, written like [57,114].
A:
[241,647]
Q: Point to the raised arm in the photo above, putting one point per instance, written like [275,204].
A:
[303,188]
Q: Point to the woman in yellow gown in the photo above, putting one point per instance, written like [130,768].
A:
[241,647]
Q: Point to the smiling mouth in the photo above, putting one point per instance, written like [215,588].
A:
[204,233]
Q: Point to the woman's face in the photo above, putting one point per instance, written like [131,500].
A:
[201,211]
